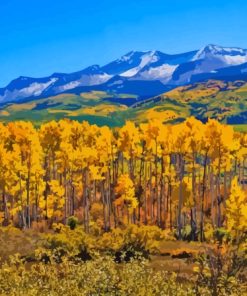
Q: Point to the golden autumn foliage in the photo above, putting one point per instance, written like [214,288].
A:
[236,210]
[101,276]
[189,178]
[126,191]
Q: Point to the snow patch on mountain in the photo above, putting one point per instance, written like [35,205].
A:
[34,89]
[228,55]
[126,57]
[70,85]
[85,80]
[149,57]
[162,72]
[235,60]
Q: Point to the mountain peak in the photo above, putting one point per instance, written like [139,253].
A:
[216,50]
[21,80]
[94,69]
[130,55]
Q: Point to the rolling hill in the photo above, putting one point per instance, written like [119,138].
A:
[95,107]
[223,100]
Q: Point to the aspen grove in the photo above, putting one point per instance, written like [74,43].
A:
[185,176]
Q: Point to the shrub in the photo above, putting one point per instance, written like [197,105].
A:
[222,270]
[100,276]
[67,242]
[72,222]
[145,238]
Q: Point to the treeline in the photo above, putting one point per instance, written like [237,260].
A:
[183,177]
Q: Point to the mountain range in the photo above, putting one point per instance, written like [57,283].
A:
[141,73]
[139,86]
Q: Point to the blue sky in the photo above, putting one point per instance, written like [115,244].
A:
[39,37]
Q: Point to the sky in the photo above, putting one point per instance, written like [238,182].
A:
[40,37]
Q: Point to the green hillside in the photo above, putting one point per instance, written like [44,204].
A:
[95,107]
[224,101]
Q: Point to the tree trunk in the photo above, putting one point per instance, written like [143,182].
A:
[180,198]
[203,196]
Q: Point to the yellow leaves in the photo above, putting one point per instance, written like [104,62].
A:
[50,136]
[42,203]
[53,206]
[155,135]
[154,128]
[96,172]
[15,210]
[4,133]
[56,188]
[78,156]
[206,271]
[187,199]
[208,231]
[221,136]
[26,138]
[222,144]
[194,130]
[126,191]
[158,113]
[196,269]
[129,138]
[236,209]
[1,217]
[148,237]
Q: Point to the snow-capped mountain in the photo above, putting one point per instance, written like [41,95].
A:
[24,87]
[90,76]
[228,55]
[139,72]
[209,60]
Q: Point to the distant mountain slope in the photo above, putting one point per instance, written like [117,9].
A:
[225,101]
[96,107]
[142,73]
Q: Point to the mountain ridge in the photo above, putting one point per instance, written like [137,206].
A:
[136,72]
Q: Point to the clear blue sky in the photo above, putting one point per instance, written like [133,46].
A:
[39,37]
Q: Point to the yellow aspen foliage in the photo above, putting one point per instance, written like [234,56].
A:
[128,141]
[163,174]
[50,136]
[95,172]
[53,206]
[194,130]
[236,210]
[126,191]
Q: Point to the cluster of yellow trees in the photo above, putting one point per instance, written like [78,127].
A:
[187,174]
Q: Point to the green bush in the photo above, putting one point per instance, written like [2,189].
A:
[66,242]
[72,222]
